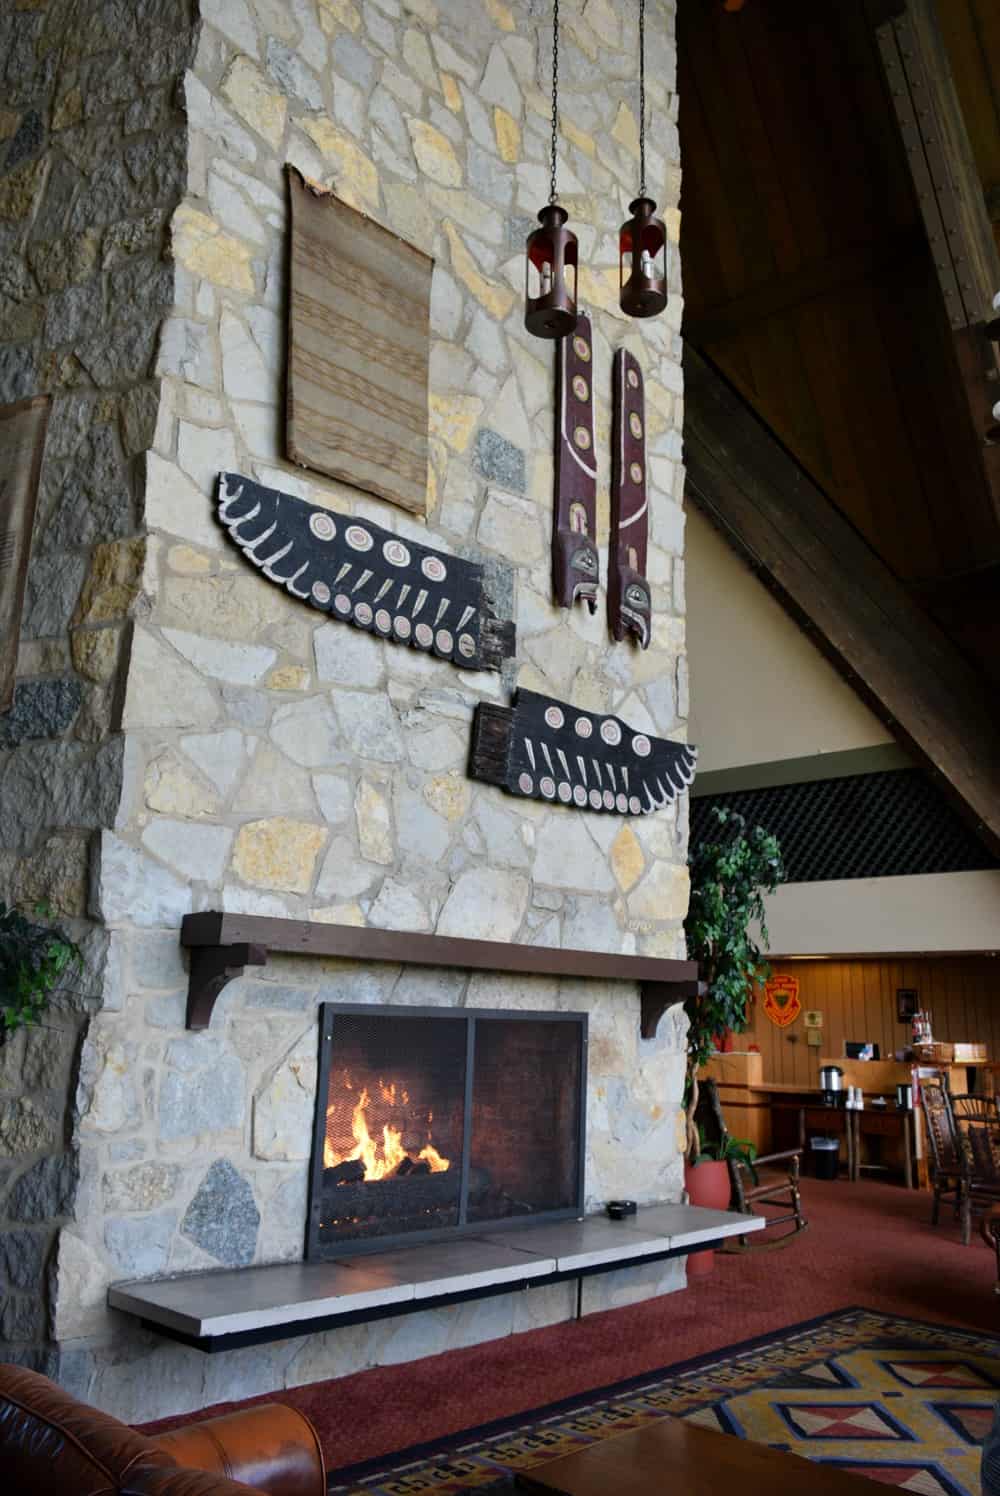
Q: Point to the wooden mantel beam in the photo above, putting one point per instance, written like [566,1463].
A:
[223,945]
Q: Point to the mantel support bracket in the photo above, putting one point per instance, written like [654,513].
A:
[212,968]
[657,997]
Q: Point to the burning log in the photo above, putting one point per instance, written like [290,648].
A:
[345,1173]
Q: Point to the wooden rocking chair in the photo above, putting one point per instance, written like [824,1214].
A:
[748,1190]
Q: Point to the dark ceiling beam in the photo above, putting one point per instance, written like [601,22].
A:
[831,582]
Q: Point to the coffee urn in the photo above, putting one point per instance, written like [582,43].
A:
[831,1080]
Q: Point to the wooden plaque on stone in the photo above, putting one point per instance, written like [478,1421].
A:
[359,349]
[22,442]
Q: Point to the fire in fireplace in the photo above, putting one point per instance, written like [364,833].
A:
[431,1121]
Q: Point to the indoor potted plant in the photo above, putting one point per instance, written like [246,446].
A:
[35,958]
[729,878]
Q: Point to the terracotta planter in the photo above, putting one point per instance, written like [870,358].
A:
[707,1184]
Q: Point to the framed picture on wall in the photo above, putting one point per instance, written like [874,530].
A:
[907,1003]
[22,441]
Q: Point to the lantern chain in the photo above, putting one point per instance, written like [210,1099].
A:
[553,195]
[642,98]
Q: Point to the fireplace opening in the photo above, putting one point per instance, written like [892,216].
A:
[430,1122]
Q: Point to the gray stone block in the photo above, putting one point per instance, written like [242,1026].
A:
[48,787]
[499,460]
[140,1245]
[26,140]
[41,709]
[45,1191]
[51,593]
[22,1257]
[202,1100]
[223,1218]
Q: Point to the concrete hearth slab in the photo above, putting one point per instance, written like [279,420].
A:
[595,1242]
[286,1298]
[230,1303]
[460,1266]
[688,1225]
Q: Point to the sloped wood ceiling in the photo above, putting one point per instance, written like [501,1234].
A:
[843,595]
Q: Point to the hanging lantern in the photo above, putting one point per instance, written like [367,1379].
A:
[642,243]
[551,250]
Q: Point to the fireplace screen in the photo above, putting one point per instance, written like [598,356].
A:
[430,1121]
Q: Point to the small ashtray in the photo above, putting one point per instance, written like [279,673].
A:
[619,1209]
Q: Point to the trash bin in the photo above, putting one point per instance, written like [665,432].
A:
[825,1157]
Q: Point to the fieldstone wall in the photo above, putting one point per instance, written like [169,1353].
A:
[280,764]
[92,165]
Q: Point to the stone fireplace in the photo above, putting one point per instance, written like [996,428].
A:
[430,1124]
[189,738]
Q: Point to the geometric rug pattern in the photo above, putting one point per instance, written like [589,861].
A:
[902,1402]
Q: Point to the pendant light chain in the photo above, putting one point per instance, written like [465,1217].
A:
[553,194]
[642,98]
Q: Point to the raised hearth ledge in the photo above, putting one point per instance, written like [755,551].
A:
[247,1306]
[223,945]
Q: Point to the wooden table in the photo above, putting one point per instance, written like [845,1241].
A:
[674,1458]
[877,1121]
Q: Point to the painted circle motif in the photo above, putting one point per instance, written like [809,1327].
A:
[579,794]
[321,592]
[322,526]
[641,746]
[582,349]
[396,553]
[342,603]
[595,799]
[609,800]
[621,804]
[424,635]
[582,438]
[635,805]
[434,569]
[358,538]
[583,727]
[633,379]
[363,614]
[401,627]
[611,732]
[581,388]
[526,784]
[635,425]
[635,472]
[383,620]
[547,786]
[444,641]
[565,792]
[554,717]
[466,646]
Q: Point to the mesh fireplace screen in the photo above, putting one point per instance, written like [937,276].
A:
[430,1121]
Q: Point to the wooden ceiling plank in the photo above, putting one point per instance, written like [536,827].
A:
[862,618]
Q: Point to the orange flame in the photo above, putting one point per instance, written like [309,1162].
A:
[380,1160]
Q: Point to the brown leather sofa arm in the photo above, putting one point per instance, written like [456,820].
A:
[51,1442]
[270,1446]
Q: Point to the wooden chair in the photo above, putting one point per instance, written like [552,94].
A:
[967,1108]
[748,1190]
[989,1228]
[949,1168]
[980,1139]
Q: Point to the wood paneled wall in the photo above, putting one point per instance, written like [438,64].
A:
[971,31]
[858,1001]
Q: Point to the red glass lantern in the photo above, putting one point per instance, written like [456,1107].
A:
[550,276]
[642,261]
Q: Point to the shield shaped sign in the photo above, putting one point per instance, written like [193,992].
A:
[781,1000]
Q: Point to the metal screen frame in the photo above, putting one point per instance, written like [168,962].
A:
[473,1017]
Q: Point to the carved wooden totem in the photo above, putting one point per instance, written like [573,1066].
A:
[575,566]
[629,602]
[548,750]
[364,575]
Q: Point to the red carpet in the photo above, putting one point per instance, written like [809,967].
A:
[867,1244]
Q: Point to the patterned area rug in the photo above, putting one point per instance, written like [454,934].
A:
[902,1402]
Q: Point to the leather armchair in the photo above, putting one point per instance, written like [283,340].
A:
[51,1442]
